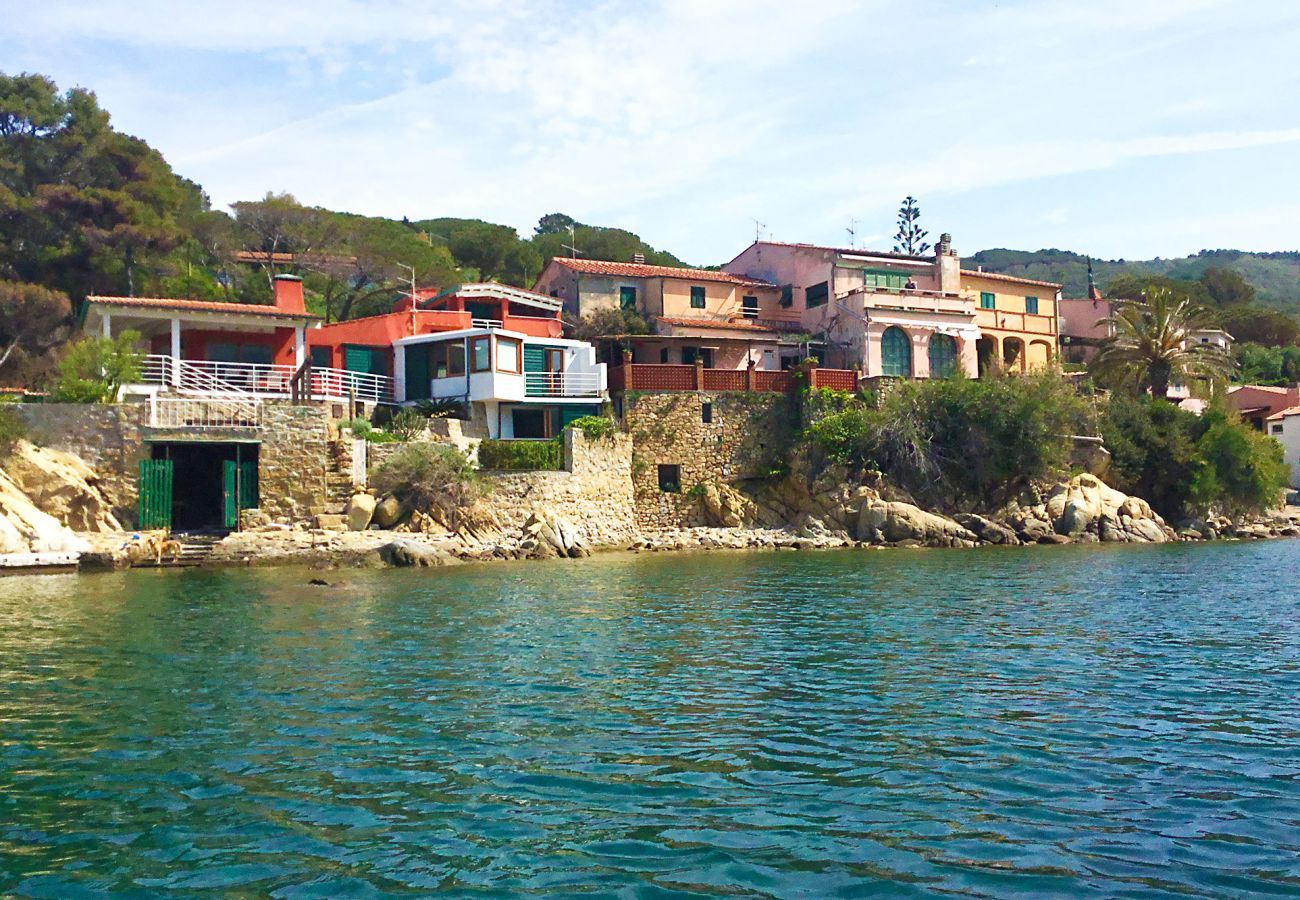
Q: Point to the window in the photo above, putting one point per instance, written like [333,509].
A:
[627,297]
[692,355]
[988,300]
[697,297]
[508,356]
[895,353]
[1031,305]
[663,354]
[480,354]
[706,413]
[670,479]
[816,295]
[322,357]
[1277,429]
[447,359]
[943,356]
[886,279]
[749,307]
[787,295]
[689,355]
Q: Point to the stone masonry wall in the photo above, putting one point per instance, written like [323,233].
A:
[296,470]
[107,437]
[748,436]
[594,492]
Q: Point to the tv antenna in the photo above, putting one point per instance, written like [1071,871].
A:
[853,234]
[759,228]
[572,245]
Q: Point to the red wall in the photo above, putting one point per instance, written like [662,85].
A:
[195,341]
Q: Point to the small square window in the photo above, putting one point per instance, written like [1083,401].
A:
[816,295]
[787,295]
[670,479]
[749,307]
[1031,306]
[480,354]
[988,300]
[706,412]
[627,297]
[697,298]
[1277,429]
[663,354]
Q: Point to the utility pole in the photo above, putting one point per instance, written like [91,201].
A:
[411,269]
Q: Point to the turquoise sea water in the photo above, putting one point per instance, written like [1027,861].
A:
[1050,721]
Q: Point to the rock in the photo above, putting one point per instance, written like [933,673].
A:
[407,553]
[726,506]
[361,509]
[1053,538]
[987,530]
[388,512]
[895,521]
[26,529]
[331,522]
[104,561]
[62,486]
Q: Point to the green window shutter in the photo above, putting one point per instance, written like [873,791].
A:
[697,298]
[357,359]
[943,356]
[569,413]
[895,353]
[534,358]
[322,358]
[229,497]
[248,485]
[417,372]
[988,300]
[627,297]
[1031,305]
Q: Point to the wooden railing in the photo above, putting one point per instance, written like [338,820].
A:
[665,377]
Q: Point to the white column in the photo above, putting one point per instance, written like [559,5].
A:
[106,326]
[299,346]
[176,352]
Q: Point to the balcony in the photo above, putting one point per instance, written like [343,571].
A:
[239,380]
[564,384]
[668,377]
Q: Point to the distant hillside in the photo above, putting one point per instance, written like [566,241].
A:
[1276,276]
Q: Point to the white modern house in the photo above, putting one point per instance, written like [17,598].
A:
[1284,427]
[521,385]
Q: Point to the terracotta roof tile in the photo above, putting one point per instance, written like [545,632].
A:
[1282,414]
[642,270]
[200,306]
[999,277]
[716,324]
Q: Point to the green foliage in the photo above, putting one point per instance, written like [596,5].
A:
[12,430]
[594,427]
[1186,465]
[407,424]
[605,322]
[431,478]
[521,456]
[94,368]
[911,236]
[1268,365]
[33,320]
[960,443]
[1261,326]
[1226,287]
[442,409]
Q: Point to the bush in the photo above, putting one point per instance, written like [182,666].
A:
[521,456]
[12,430]
[359,427]
[442,409]
[1187,465]
[431,478]
[408,425]
[594,427]
[95,368]
[954,442]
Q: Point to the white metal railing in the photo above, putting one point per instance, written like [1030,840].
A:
[487,323]
[563,384]
[185,412]
[247,380]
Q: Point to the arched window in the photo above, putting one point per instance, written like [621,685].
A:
[943,355]
[895,353]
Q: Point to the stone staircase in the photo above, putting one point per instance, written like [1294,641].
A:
[195,550]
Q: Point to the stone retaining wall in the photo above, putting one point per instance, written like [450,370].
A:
[748,436]
[296,467]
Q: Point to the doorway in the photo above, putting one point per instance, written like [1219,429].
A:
[198,486]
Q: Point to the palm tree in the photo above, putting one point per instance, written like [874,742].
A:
[1151,344]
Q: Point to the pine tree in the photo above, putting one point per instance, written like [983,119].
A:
[911,236]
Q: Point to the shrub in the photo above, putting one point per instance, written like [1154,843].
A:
[1241,470]
[359,427]
[521,456]
[408,424]
[954,442]
[442,409]
[431,478]
[12,430]
[95,368]
[594,427]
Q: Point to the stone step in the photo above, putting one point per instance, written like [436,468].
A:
[332,522]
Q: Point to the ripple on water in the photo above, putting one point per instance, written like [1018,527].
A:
[1070,721]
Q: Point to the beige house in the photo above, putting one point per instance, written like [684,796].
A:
[1017,319]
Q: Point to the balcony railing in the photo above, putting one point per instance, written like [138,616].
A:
[232,379]
[487,323]
[562,384]
[666,377]
[168,412]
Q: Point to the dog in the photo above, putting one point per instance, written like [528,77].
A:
[144,544]
[171,549]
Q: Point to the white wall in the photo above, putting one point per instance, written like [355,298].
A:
[1289,438]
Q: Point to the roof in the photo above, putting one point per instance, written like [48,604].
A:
[1272,389]
[715,324]
[243,309]
[1282,414]
[975,273]
[852,251]
[492,290]
[643,270]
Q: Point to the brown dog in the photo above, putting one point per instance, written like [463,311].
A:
[169,548]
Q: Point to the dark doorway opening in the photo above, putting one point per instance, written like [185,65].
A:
[531,423]
[211,482]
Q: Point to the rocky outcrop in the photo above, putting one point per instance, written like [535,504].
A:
[26,529]
[405,553]
[361,510]
[726,506]
[894,522]
[1085,508]
[62,486]
[547,535]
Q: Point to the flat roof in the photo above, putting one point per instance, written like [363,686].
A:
[163,303]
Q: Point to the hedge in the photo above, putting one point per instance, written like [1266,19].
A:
[521,456]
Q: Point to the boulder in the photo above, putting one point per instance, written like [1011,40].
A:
[987,530]
[388,512]
[727,507]
[62,486]
[407,553]
[26,529]
[361,509]
[896,522]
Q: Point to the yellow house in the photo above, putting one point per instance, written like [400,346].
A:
[1017,319]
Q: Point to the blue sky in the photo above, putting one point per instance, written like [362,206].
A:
[1120,128]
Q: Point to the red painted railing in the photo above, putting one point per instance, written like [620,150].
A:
[663,377]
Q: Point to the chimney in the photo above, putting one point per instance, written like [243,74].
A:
[638,258]
[948,265]
[288,294]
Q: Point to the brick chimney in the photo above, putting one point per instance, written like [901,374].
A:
[288,294]
[638,259]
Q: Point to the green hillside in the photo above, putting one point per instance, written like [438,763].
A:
[1275,276]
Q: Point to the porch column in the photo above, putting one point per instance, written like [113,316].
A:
[176,352]
[106,326]
[299,346]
